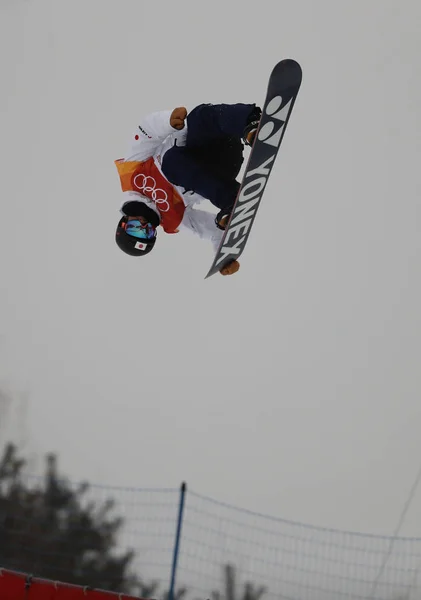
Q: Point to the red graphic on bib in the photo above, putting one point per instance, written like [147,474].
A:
[147,179]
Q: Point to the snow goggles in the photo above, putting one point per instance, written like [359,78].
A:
[136,229]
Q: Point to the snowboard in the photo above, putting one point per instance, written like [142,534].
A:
[283,86]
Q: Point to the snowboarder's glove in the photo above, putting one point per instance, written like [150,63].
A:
[178,117]
[230,268]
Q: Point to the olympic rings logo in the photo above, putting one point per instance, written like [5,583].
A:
[147,185]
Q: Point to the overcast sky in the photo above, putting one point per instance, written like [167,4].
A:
[293,387]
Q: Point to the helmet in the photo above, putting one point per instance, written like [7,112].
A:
[143,238]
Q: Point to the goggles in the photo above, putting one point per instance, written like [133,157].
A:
[136,229]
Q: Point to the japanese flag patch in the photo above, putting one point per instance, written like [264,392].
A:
[140,246]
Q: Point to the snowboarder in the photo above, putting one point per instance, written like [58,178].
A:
[177,160]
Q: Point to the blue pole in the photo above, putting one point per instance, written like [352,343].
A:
[183,489]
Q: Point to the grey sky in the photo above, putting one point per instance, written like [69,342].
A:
[291,388]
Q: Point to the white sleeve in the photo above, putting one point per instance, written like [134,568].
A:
[156,126]
[202,223]
[149,135]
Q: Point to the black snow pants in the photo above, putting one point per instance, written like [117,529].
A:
[212,157]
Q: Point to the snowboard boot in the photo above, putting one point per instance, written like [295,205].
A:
[252,124]
[222,218]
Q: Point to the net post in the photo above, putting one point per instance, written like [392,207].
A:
[183,489]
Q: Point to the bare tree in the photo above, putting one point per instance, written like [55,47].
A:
[250,591]
[5,403]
